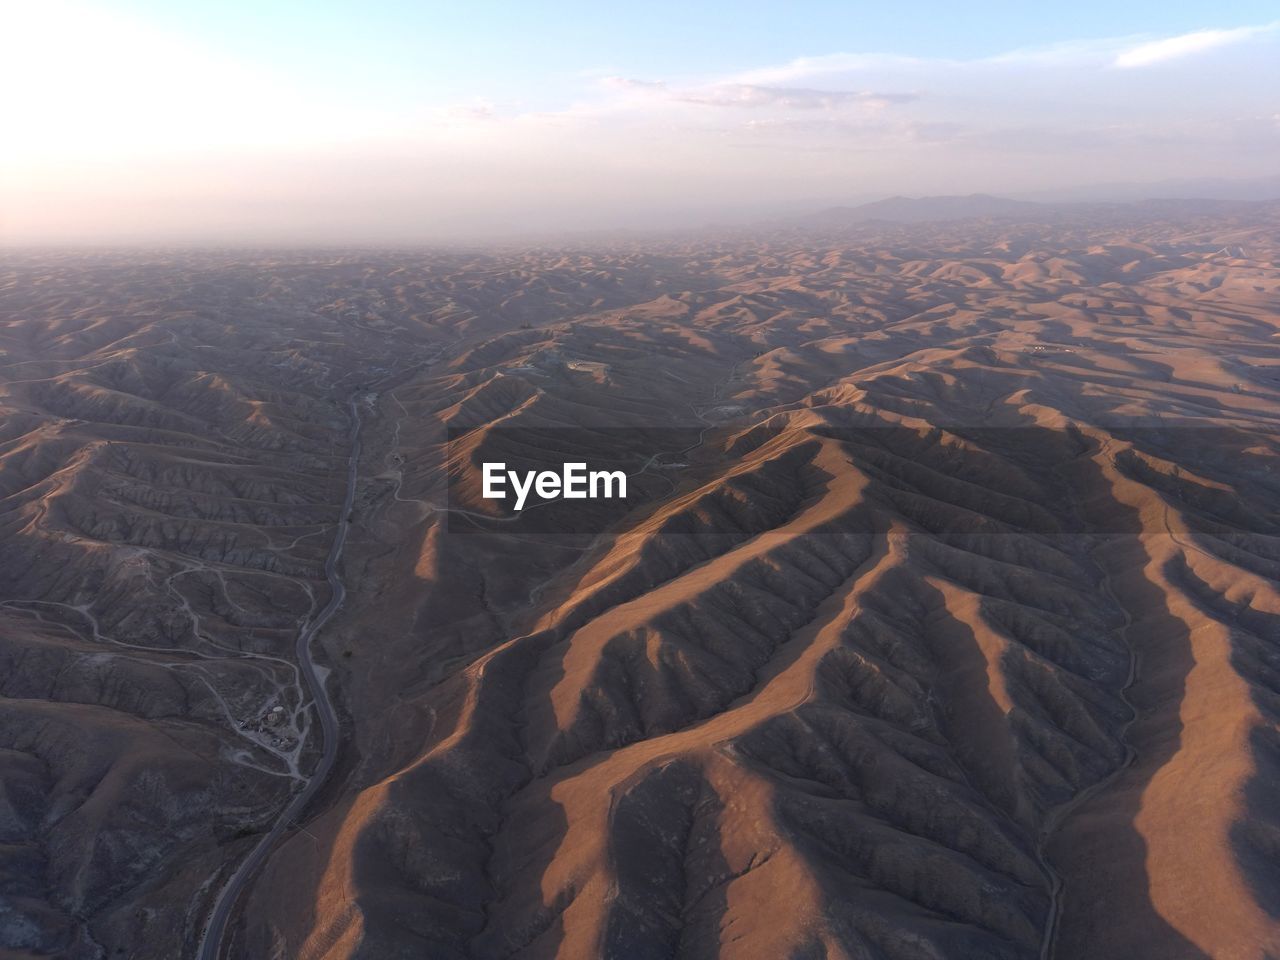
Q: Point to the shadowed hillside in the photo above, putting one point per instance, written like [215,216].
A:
[940,620]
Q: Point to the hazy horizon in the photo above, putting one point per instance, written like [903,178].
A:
[319,124]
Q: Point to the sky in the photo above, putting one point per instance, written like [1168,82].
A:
[396,121]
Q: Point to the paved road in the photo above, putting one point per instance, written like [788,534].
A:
[211,943]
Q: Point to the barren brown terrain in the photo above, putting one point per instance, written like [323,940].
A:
[941,620]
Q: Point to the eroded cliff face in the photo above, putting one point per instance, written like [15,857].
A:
[940,621]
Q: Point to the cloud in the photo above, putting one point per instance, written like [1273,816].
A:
[1171,48]
[627,83]
[477,109]
[795,98]
[827,64]
[731,93]
[1122,52]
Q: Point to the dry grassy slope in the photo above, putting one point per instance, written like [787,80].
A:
[834,695]
[830,690]
[171,447]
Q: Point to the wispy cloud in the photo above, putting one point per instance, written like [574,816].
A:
[1171,48]
[829,64]
[795,98]
[629,83]
[477,109]
[751,96]
[1119,51]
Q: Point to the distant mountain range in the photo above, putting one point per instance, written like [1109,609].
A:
[923,210]
[1200,188]
[982,206]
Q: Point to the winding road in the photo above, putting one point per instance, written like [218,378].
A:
[1059,815]
[211,943]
